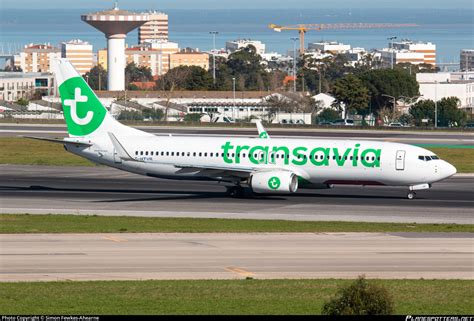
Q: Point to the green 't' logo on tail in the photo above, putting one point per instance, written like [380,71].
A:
[83,112]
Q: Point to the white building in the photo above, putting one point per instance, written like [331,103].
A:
[333,47]
[428,49]
[16,85]
[153,54]
[79,54]
[156,28]
[232,46]
[391,56]
[436,86]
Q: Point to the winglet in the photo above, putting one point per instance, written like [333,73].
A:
[262,133]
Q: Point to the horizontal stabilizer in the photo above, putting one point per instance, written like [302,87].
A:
[60,141]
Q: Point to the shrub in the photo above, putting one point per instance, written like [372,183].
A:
[360,298]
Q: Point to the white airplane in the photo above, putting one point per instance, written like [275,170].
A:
[270,166]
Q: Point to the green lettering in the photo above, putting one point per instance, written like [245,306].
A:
[238,150]
[320,162]
[375,162]
[340,160]
[226,148]
[355,155]
[302,157]
[285,150]
[256,160]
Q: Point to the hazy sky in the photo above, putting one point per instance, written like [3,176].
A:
[244,4]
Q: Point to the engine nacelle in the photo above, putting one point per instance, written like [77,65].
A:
[280,182]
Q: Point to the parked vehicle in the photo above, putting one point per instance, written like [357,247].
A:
[395,125]
[292,121]
[343,122]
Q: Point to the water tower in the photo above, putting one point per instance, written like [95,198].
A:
[115,24]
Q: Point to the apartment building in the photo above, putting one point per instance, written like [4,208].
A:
[199,59]
[466,59]
[428,49]
[153,54]
[79,54]
[36,57]
[155,29]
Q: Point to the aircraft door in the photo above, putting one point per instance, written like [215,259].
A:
[400,160]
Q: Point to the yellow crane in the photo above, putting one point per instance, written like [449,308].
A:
[303,28]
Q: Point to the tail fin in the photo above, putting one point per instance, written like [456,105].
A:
[83,112]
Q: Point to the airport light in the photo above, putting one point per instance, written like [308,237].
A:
[391,46]
[214,33]
[294,62]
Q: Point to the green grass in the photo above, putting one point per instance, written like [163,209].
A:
[33,152]
[461,158]
[223,296]
[24,223]
[23,151]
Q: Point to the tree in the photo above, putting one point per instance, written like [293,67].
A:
[424,109]
[449,113]
[360,298]
[134,73]
[174,79]
[192,117]
[393,82]
[327,115]
[97,78]
[350,91]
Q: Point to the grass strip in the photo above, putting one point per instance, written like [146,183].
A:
[223,297]
[25,223]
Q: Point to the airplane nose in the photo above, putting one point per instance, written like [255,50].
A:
[449,170]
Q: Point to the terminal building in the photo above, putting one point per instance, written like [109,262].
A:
[435,86]
[16,85]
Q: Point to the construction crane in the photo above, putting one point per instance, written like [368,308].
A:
[303,28]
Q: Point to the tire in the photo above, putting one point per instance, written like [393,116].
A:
[411,195]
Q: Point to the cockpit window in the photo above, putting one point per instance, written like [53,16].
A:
[421,158]
[434,157]
[427,158]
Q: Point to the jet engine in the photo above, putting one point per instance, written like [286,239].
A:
[280,182]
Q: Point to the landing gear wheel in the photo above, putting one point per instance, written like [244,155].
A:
[235,191]
[411,195]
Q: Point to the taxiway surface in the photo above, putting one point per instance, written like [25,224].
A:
[107,191]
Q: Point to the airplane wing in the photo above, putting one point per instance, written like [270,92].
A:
[59,141]
[262,133]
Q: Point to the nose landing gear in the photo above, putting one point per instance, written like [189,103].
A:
[411,195]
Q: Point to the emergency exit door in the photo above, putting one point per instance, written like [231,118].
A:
[400,160]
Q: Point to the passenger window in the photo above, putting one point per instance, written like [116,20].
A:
[167,153]
[136,152]
[151,153]
[200,154]
[194,154]
[212,154]
[172,153]
[189,154]
[205,154]
[146,153]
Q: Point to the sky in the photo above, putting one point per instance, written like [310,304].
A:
[242,4]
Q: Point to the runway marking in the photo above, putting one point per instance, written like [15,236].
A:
[240,271]
[114,239]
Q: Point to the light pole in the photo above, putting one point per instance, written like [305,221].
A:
[214,33]
[391,47]
[294,63]
[436,104]
[394,100]
[233,91]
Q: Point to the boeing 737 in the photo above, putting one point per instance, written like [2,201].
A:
[268,166]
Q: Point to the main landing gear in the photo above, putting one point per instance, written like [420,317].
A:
[235,191]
